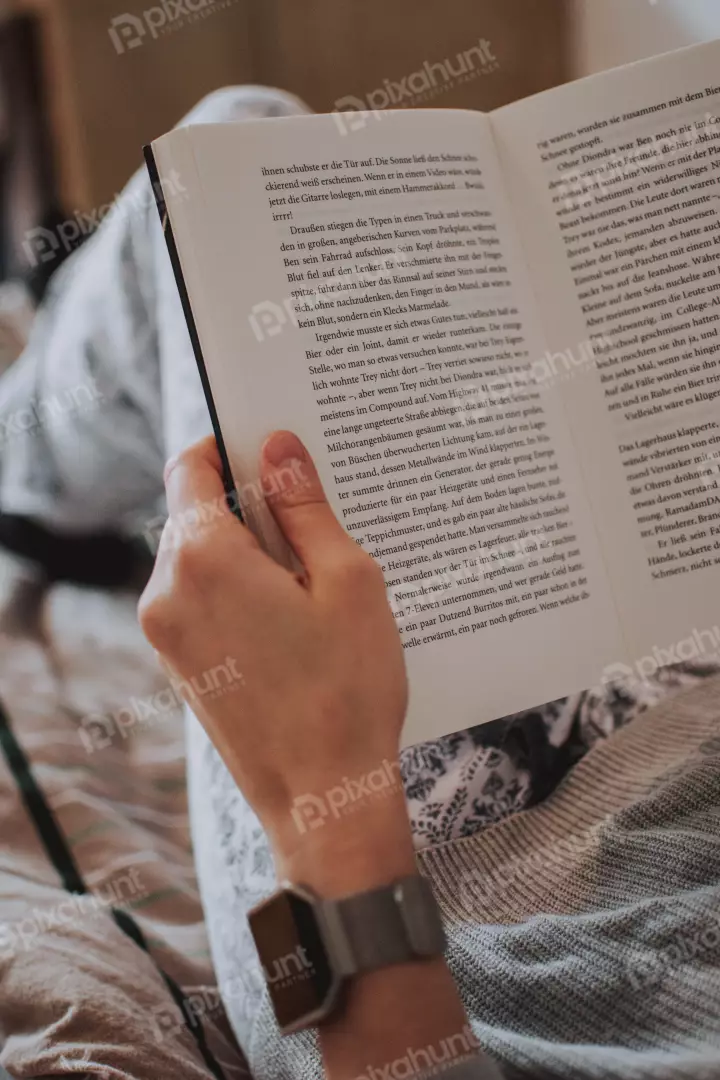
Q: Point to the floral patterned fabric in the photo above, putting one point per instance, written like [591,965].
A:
[459,784]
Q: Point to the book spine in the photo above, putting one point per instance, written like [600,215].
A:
[228,482]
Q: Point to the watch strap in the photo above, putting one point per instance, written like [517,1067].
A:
[382,927]
[476,1067]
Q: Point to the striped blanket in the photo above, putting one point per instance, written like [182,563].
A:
[105,970]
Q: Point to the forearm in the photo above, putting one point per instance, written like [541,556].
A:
[325,695]
[410,1012]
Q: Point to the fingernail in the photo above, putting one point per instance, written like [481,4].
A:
[169,466]
[282,448]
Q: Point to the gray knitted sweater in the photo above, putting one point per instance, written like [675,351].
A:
[584,934]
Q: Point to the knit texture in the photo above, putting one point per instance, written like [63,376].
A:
[584,934]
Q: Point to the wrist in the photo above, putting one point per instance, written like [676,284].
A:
[364,849]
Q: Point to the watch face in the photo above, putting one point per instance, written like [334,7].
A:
[294,960]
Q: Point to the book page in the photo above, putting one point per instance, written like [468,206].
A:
[614,182]
[365,288]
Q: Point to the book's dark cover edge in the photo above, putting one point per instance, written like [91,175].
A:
[228,481]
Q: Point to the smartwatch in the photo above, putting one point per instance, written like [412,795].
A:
[309,947]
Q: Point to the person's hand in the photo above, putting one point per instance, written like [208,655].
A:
[301,685]
[313,706]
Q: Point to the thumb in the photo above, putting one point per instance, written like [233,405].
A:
[295,495]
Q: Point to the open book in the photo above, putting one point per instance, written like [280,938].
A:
[498,335]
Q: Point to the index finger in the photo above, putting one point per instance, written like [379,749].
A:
[196,494]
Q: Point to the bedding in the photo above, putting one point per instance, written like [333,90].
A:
[105,969]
